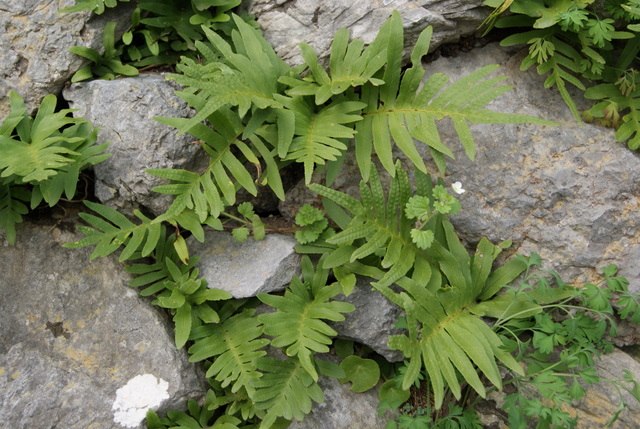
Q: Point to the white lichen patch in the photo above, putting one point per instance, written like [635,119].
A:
[136,397]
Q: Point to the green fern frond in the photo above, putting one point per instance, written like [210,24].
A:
[298,325]
[319,136]
[451,339]
[12,207]
[113,230]
[235,345]
[39,150]
[66,180]
[350,65]
[378,226]
[236,81]
[208,193]
[285,390]
[402,111]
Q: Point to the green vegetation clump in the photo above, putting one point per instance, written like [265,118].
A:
[41,158]
[470,327]
[574,42]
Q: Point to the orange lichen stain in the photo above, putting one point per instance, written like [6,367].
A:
[88,361]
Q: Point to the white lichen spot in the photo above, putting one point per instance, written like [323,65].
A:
[136,397]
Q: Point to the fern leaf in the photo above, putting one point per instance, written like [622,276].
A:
[400,111]
[12,207]
[209,192]
[298,325]
[236,81]
[383,229]
[113,230]
[318,135]
[235,345]
[285,390]
[40,150]
[451,339]
[350,66]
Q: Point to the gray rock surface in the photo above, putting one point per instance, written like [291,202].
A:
[248,268]
[73,335]
[372,321]
[570,193]
[34,47]
[286,23]
[124,111]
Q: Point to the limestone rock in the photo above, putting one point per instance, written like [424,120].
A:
[570,193]
[373,320]
[600,402]
[124,110]
[286,23]
[248,268]
[34,47]
[78,347]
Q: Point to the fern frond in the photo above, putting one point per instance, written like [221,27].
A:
[39,150]
[12,207]
[236,81]
[378,226]
[113,229]
[319,135]
[235,346]
[208,193]
[298,325]
[65,181]
[399,110]
[451,338]
[350,65]
[285,390]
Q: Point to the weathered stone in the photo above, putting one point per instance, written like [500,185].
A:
[248,268]
[34,47]
[124,110]
[570,193]
[73,335]
[287,23]
[373,320]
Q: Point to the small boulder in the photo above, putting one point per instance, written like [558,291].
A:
[78,347]
[34,47]
[248,268]
[124,110]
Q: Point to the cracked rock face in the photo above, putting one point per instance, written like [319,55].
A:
[286,23]
[570,193]
[78,347]
[124,110]
[34,47]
